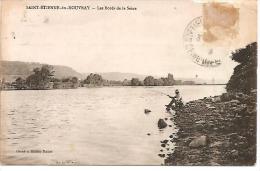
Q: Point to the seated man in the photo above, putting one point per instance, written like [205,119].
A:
[176,99]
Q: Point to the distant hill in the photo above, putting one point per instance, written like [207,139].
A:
[10,70]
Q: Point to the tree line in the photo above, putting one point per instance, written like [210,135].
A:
[97,80]
[44,78]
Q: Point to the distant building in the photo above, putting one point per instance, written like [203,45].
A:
[170,79]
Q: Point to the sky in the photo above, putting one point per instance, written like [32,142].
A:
[146,41]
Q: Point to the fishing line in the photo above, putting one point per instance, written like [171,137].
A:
[159,92]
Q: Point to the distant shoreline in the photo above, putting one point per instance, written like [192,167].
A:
[113,86]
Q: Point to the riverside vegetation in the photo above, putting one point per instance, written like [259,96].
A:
[219,130]
[44,78]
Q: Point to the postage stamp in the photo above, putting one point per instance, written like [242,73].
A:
[208,38]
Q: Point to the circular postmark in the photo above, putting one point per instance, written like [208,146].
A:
[193,44]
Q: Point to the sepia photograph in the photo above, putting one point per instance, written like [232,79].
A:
[128,83]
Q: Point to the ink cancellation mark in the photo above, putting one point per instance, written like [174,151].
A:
[193,44]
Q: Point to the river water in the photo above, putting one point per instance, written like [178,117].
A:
[89,126]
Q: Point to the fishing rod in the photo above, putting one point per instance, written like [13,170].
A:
[160,92]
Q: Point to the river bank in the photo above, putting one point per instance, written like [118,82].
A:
[216,131]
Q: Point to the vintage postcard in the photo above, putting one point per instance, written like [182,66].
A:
[131,82]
